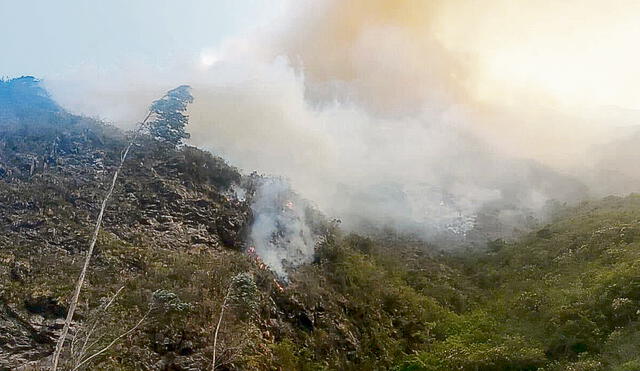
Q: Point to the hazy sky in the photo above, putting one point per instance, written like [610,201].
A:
[45,38]
[576,51]
[442,94]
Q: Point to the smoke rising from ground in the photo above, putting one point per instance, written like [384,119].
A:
[380,113]
[280,233]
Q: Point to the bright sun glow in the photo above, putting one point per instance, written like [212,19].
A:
[571,71]
[208,58]
[578,53]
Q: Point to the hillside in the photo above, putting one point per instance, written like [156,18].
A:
[565,297]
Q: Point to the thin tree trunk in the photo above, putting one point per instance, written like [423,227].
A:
[76,293]
[215,335]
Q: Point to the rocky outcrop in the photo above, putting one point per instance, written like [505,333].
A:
[21,341]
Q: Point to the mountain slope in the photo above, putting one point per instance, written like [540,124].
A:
[174,249]
[54,169]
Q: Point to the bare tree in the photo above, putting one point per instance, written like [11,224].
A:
[242,291]
[85,334]
[159,112]
[94,355]
[215,334]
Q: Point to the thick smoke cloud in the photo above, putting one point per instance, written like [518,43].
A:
[377,112]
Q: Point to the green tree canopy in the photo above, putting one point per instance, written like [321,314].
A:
[169,117]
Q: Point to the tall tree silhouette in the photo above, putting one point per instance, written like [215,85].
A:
[166,121]
[170,118]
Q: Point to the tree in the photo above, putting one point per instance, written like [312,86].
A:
[167,112]
[170,119]
[242,292]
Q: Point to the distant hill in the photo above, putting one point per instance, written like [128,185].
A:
[24,97]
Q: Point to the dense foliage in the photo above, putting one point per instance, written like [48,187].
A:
[169,119]
[566,297]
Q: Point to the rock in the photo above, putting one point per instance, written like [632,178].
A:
[20,342]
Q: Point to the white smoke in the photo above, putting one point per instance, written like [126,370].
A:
[280,232]
[393,113]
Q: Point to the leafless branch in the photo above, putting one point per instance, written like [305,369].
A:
[112,342]
[215,335]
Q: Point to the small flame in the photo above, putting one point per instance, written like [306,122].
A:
[251,251]
[278,285]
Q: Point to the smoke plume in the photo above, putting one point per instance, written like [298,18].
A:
[280,234]
[419,115]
